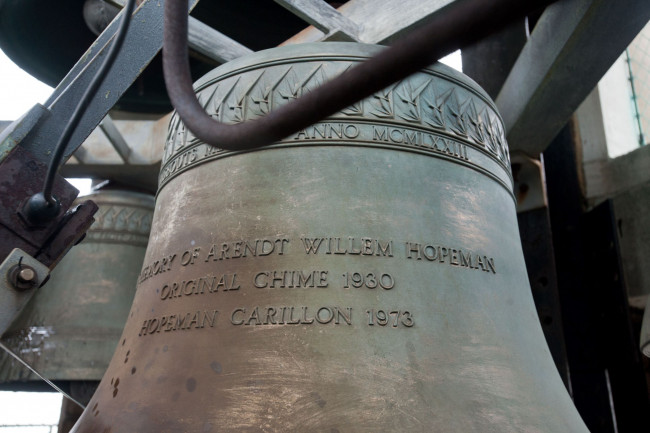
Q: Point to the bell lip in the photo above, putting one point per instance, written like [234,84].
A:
[334,50]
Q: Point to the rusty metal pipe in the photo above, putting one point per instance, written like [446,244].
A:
[465,22]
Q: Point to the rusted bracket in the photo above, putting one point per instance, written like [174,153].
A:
[26,146]
[21,177]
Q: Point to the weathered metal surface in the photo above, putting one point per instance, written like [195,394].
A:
[571,47]
[364,274]
[16,131]
[70,328]
[13,300]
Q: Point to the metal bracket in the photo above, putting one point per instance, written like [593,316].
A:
[530,184]
[16,289]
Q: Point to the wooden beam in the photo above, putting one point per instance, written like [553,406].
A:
[572,46]
[610,177]
[116,139]
[207,41]
[143,176]
[215,45]
[325,18]
[387,19]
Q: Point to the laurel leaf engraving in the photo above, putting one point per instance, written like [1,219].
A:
[289,87]
[409,97]
[236,106]
[260,96]
[475,123]
[493,142]
[315,79]
[434,107]
[382,102]
[422,99]
[455,115]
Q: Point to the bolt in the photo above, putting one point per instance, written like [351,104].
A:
[22,277]
[26,275]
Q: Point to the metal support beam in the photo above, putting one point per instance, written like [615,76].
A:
[572,46]
[145,40]
[325,18]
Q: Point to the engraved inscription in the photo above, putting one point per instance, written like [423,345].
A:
[451,256]
[369,281]
[290,279]
[179,322]
[283,315]
[392,318]
[159,266]
[351,245]
[200,286]
[239,249]
[432,142]
[328,131]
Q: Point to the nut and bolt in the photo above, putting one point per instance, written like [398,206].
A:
[23,277]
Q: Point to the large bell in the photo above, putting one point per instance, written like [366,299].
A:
[70,328]
[59,32]
[362,275]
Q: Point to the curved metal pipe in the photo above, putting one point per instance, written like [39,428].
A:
[466,22]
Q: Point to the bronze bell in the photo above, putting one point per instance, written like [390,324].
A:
[70,328]
[362,275]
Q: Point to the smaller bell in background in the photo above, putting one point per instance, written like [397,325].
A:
[70,328]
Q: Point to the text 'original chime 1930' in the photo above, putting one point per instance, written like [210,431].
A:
[362,275]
